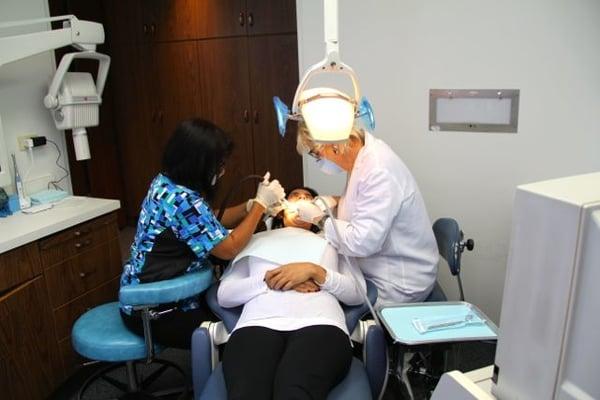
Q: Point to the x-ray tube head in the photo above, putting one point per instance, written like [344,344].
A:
[81,145]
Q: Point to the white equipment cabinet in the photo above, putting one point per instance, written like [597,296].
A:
[549,334]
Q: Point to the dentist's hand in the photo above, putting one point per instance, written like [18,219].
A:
[308,211]
[331,202]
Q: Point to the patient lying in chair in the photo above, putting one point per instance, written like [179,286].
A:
[291,341]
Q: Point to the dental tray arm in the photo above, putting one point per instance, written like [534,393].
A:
[83,35]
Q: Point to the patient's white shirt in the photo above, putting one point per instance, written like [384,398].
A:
[289,310]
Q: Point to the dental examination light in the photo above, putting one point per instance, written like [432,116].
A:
[73,97]
[329,114]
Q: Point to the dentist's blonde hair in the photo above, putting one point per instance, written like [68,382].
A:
[306,143]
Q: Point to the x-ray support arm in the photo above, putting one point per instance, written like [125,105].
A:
[83,35]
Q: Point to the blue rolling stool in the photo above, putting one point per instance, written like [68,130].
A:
[365,380]
[101,335]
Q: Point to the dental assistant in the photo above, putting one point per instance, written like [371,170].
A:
[381,216]
[177,230]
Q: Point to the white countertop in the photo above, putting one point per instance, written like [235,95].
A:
[19,229]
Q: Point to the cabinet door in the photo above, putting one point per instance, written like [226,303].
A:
[176,84]
[271,16]
[135,121]
[124,22]
[29,358]
[223,68]
[274,72]
[174,20]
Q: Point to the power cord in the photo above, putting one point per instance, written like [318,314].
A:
[55,183]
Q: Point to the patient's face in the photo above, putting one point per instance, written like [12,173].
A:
[289,218]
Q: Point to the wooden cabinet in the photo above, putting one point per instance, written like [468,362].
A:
[44,287]
[176,20]
[221,60]
[225,100]
[29,366]
[269,78]
[269,17]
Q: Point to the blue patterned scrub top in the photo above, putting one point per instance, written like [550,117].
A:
[175,233]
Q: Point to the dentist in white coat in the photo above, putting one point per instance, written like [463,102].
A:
[381,216]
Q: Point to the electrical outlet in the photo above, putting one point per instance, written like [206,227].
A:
[21,140]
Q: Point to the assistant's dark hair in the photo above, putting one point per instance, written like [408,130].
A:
[195,153]
[278,220]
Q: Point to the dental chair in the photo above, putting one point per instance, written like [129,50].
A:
[101,335]
[365,380]
[451,245]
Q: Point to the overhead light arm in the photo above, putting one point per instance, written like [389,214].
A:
[331,62]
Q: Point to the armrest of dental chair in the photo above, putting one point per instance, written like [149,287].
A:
[229,316]
[353,314]
[202,353]
[375,358]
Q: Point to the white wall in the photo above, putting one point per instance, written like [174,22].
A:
[549,49]
[23,85]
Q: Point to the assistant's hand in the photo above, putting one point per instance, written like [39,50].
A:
[307,287]
[289,276]
[269,194]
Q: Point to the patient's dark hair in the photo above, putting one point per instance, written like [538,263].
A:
[195,153]
[278,220]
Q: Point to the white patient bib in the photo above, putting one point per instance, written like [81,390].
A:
[284,246]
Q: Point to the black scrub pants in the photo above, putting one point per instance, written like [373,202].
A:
[264,364]
[172,329]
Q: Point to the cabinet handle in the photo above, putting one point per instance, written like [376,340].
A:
[81,232]
[246,116]
[241,18]
[256,117]
[250,19]
[82,275]
[145,29]
[160,116]
[152,28]
[79,245]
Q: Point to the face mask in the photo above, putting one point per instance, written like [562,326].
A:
[329,167]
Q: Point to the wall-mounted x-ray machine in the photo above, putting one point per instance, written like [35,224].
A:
[474,110]
[73,98]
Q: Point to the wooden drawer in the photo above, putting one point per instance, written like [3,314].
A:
[66,315]
[73,241]
[19,265]
[84,272]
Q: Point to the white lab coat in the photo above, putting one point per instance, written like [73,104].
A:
[384,226]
